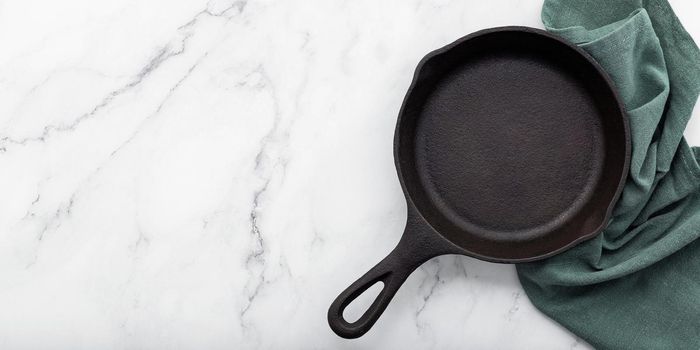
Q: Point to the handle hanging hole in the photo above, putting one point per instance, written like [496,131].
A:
[359,305]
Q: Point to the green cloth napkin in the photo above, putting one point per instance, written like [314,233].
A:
[637,284]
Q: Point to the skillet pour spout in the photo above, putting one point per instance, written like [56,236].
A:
[511,145]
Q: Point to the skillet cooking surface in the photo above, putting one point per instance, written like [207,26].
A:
[520,164]
[510,140]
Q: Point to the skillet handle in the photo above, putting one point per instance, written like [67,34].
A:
[416,247]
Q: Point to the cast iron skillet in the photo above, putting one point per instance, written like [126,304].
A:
[511,146]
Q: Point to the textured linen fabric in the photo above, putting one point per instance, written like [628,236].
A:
[637,284]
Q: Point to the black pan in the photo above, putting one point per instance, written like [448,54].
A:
[511,146]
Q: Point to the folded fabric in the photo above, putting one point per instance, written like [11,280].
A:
[637,284]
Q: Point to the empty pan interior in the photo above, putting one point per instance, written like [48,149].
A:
[512,145]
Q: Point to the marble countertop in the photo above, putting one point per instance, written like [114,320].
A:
[210,175]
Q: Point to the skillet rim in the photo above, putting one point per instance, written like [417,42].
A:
[619,105]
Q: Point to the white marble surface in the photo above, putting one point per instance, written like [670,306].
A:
[210,175]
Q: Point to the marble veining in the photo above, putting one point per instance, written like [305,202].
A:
[210,175]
